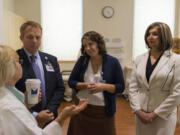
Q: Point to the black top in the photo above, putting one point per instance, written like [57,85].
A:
[150,67]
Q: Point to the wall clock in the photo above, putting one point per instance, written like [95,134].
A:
[108,11]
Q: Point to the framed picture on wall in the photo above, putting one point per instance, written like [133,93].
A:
[176,45]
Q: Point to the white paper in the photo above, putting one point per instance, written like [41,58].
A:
[115,48]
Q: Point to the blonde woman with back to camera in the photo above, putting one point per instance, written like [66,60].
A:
[154,89]
[15,118]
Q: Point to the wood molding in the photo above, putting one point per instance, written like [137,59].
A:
[67,62]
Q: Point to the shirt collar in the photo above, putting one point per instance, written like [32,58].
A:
[29,54]
[19,95]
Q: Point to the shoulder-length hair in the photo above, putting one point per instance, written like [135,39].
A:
[95,37]
[8,58]
[164,33]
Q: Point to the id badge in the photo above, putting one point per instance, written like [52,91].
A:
[49,68]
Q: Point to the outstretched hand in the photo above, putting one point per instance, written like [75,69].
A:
[71,110]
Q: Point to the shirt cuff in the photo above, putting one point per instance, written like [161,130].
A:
[35,114]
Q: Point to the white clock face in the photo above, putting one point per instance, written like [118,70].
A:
[108,12]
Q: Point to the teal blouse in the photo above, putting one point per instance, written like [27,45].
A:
[18,94]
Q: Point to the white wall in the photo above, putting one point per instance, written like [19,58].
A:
[5,5]
[177,19]
[147,12]
[11,25]
[30,9]
[9,5]
[119,26]
[1,21]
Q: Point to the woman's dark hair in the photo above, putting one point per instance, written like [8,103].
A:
[95,37]
[164,33]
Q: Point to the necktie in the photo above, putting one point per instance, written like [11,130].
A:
[38,75]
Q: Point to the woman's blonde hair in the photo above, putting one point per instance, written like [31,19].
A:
[8,58]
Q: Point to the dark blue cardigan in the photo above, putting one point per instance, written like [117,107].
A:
[111,73]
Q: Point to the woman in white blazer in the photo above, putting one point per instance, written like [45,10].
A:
[154,89]
[15,119]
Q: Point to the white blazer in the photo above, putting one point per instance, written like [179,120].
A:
[15,119]
[162,94]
